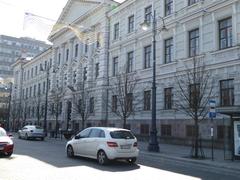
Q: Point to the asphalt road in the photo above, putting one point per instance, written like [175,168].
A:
[47,160]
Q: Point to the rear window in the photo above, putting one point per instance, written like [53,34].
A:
[121,135]
[2,132]
[38,127]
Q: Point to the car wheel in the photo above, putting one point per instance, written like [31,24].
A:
[8,154]
[26,136]
[19,136]
[102,158]
[131,160]
[42,139]
[70,152]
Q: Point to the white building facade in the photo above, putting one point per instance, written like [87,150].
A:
[109,37]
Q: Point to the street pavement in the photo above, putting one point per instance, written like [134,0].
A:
[47,160]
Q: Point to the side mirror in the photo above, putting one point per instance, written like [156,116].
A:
[10,135]
[77,137]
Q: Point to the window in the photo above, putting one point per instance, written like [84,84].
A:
[130,24]
[147,100]
[96,70]
[67,54]
[168,50]
[194,93]
[84,133]
[148,14]
[116,31]
[59,58]
[76,50]
[190,130]
[121,134]
[39,88]
[144,129]
[225,33]
[166,130]
[32,73]
[130,62]
[28,74]
[194,42]
[114,103]
[115,66]
[36,70]
[74,77]
[86,47]
[92,105]
[129,102]
[26,93]
[30,93]
[168,98]
[168,7]
[34,90]
[147,56]
[44,86]
[50,62]
[227,92]
[85,73]
[97,133]
[191,2]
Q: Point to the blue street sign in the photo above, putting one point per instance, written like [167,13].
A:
[212,110]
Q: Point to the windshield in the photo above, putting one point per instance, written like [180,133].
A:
[121,135]
[2,132]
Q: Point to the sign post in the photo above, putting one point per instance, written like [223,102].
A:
[212,114]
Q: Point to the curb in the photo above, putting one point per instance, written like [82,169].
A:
[192,161]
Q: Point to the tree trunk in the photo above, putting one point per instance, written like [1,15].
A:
[196,139]
[124,122]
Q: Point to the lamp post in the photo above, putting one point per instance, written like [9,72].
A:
[46,97]
[9,105]
[153,142]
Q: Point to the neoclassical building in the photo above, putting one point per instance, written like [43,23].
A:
[94,40]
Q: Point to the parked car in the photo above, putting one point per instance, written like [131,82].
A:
[31,132]
[104,144]
[6,143]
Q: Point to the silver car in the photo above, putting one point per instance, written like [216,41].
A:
[31,132]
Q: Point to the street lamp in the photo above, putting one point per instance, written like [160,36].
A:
[46,98]
[153,142]
[9,105]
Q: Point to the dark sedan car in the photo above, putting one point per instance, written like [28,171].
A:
[6,143]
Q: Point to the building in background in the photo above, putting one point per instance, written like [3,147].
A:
[207,30]
[12,48]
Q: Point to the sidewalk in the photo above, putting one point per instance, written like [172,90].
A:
[182,153]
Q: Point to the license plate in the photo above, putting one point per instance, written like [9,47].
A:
[127,146]
[1,147]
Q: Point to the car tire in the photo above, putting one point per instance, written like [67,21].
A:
[26,136]
[19,136]
[102,158]
[42,139]
[70,152]
[131,160]
[8,154]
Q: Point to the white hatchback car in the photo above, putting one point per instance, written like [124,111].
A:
[104,144]
[31,131]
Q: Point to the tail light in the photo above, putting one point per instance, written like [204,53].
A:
[135,144]
[112,144]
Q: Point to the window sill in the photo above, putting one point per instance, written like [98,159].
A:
[225,50]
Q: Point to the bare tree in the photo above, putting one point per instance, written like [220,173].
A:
[193,92]
[81,103]
[55,105]
[38,101]
[124,103]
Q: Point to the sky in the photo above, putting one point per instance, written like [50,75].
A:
[14,22]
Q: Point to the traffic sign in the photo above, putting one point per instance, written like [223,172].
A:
[212,110]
